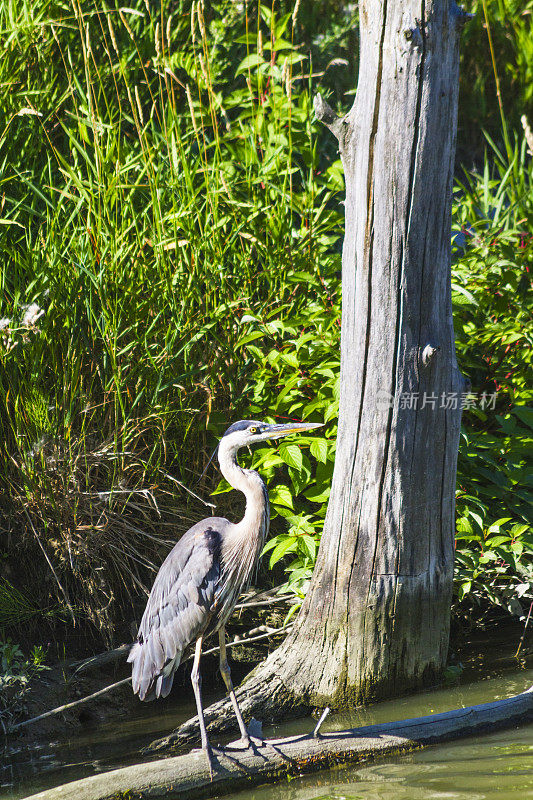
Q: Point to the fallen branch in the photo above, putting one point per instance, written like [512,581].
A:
[187,776]
[68,706]
[100,660]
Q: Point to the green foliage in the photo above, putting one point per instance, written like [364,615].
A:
[171,228]
[510,26]
[160,176]
[15,607]
[295,374]
[15,667]
[16,673]
[491,281]
[492,315]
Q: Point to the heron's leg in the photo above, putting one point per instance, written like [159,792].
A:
[196,680]
[226,675]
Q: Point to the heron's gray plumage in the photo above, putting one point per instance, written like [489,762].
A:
[200,581]
[179,608]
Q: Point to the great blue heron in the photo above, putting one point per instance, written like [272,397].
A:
[196,589]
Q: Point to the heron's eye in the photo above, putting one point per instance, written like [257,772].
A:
[253,429]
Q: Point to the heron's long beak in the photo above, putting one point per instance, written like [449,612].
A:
[278,431]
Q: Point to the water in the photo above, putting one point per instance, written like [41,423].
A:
[498,766]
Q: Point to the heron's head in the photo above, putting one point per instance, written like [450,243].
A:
[248,431]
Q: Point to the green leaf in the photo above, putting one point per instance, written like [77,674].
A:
[291,359]
[461,289]
[253,60]
[518,529]
[270,545]
[495,527]
[524,414]
[294,58]
[332,411]
[477,518]
[463,525]
[496,541]
[464,589]
[319,449]
[310,543]
[321,497]
[249,337]
[281,496]
[287,545]
[291,455]
[291,612]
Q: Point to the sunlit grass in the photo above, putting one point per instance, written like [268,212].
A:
[151,196]
[162,182]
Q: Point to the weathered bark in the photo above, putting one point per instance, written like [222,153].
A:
[188,777]
[377,614]
[375,621]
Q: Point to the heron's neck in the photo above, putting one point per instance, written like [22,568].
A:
[257,515]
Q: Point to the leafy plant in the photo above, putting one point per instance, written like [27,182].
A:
[16,673]
[299,377]
[171,228]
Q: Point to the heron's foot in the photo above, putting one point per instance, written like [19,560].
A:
[209,753]
[208,750]
[247,742]
[254,741]
[251,736]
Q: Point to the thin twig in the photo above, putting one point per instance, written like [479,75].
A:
[186,488]
[245,640]
[524,632]
[267,602]
[63,591]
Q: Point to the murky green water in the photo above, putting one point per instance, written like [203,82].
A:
[494,767]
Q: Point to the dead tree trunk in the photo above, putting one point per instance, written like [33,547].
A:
[376,619]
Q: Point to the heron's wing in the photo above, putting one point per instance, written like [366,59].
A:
[178,609]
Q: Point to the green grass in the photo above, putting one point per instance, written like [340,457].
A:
[170,204]
[147,204]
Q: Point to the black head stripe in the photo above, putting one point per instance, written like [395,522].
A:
[243,425]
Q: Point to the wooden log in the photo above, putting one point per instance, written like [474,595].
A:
[187,776]
[100,660]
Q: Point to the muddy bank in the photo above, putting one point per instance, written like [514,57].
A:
[56,687]
[66,683]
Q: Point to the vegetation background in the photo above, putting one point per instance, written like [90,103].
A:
[171,225]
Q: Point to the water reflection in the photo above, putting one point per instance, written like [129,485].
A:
[495,767]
